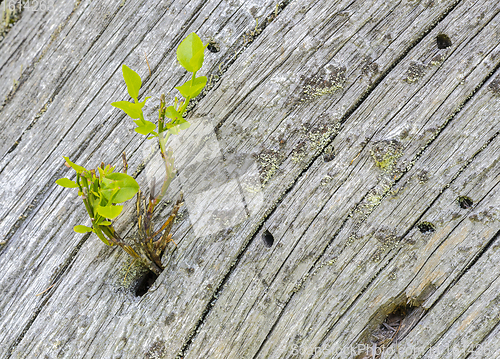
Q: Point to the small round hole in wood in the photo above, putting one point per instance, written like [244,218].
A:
[443,41]
[268,239]
[144,283]
[465,202]
[213,47]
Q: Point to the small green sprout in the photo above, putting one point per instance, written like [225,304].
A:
[102,191]
[190,55]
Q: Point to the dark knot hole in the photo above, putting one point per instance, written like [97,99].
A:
[268,239]
[144,283]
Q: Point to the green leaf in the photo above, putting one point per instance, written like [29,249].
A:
[172,113]
[101,172]
[174,123]
[108,169]
[112,196]
[134,110]
[193,88]
[129,108]
[144,102]
[190,53]
[133,81]
[140,105]
[105,223]
[82,229]
[144,128]
[77,168]
[64,182]
[127,185]
[109,211]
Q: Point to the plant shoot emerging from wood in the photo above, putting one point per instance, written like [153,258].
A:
[102,190]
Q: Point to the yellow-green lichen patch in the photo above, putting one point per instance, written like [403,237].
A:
[352,239]
[386,153]
[414,72]
[299,152]
[269,161]
[10,12]
[437,60]
[372,199]
[327,81]
[393,275]
[327,179]
[321,137]
[179,217]
[129,273]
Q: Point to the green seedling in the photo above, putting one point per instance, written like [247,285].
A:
[102,191]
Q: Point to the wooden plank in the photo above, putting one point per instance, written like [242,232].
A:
[489,348]
[466,313]
[26,68]
[23,48]
[319,204]
[252,96]
[40,249]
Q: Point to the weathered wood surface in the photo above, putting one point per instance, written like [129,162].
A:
[338,127]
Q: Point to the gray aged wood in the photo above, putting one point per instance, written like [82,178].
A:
[338,128]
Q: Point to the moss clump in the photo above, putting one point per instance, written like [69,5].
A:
[129,273]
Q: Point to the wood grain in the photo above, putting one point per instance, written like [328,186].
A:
[338,128]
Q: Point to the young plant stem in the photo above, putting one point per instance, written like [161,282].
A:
[168,159]
[102,189]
